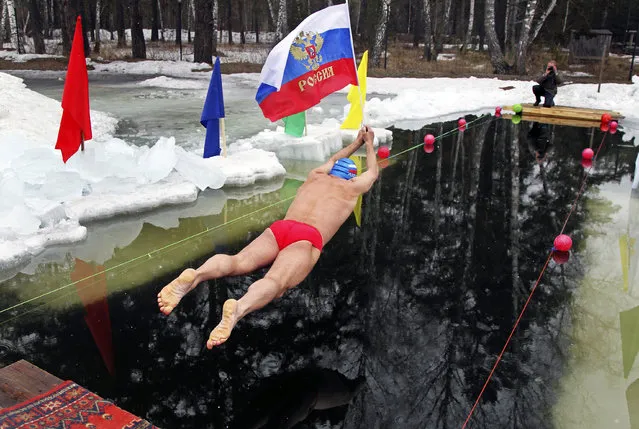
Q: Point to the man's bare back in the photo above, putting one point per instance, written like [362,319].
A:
[324,202]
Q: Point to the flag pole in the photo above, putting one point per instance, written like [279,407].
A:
[305,124]
[82,140]
[223,136]
[359,91]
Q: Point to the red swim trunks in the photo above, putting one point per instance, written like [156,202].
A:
[291,231]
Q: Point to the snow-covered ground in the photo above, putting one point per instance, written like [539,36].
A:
[45,202]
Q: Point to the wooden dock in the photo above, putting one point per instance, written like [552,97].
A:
[556,121]
[21,381]
[563,115]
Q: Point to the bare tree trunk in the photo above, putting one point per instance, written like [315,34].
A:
[13,26]
[64,29]
[159,6]
[241,12]
[508,24]
[155,18]
[120,24]
[524,37]
[229,21]
[202,44]
[329,2]
[563,29]
[36,27]
[98,15]
[3,31]
[215,14]
[542,20]
[471,21]
[282,22]
[358,12]
[138,46]
[271,10]
[191,15]
[380,33]
[428,31]
[496,55]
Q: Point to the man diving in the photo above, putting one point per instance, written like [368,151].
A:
[292,245]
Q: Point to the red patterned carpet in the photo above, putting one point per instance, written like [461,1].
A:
[69,406]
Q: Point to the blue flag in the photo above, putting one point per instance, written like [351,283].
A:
[212,112]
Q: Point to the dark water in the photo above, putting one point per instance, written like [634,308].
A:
[397,326]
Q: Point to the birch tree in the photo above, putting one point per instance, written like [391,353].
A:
[380,33]
[13,27]
[282,21]
[3,31]
[429,43]
[272,10]
[529,33]
[496,55]
[98,6]
[469,31]
[215,14]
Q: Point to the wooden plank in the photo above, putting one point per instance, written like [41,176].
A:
[556,121]
[21,381]
[566,112]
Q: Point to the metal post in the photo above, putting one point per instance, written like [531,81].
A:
[178,35]
[603,59]
[634,52]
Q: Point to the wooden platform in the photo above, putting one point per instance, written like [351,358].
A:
[21,381]
[578,114]
[556,121]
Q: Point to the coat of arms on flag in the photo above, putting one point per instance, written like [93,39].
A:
[306,47]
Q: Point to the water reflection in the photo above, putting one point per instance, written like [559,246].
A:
[414,305]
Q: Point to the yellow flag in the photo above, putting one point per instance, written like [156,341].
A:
[357,211]
[356,113]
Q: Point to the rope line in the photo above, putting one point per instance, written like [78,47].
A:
[183,240]
[584,180]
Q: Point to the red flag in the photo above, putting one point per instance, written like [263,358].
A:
[75,125]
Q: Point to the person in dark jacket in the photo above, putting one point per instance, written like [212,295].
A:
[547,87]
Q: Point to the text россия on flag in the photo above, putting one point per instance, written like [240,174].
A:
[314,60]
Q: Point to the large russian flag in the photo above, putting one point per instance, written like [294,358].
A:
[314,60]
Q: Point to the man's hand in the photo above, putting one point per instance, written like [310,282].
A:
[368,135]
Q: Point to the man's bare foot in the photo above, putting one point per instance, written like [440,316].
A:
[222,331]
[170,296]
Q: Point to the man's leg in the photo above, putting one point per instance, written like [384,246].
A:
[538,90]
[291,266]
[260,252]
[549,99]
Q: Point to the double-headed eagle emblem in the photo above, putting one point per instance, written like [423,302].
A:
[306,47]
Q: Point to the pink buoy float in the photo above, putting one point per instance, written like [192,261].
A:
[563,243]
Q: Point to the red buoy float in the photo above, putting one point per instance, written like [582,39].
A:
[563,243]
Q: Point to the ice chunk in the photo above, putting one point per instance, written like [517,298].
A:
[34,164]
[49,212]
[246,167]
[11,189]
[202,172]
[158,162]
[62,186]
[18,220]
[319,144]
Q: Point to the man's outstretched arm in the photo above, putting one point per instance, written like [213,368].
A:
[365,181]
[345,152]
